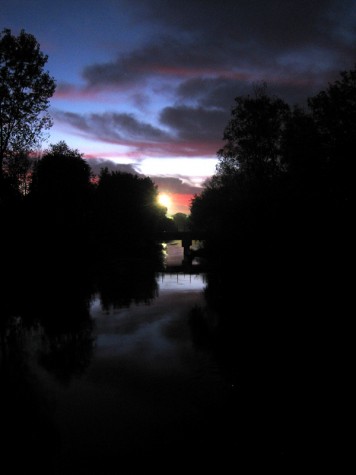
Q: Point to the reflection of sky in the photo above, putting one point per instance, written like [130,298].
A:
[150,333]
[146,378]
[181,282]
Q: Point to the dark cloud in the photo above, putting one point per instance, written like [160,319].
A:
[212,92]
[279,24]
[195,123]
[164,56]
[192,131]
[255,39]
[176,185]
[198,55]
[97,164]
[112,127]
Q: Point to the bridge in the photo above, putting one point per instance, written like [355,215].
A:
[186,238]
[165,236]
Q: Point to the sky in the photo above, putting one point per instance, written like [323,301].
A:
[147,86]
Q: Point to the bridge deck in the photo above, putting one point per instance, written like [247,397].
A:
[179,236]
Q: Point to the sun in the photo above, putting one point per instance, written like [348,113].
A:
[164,200]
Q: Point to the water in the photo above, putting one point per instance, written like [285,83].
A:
[149,392]
[140,374]
[134,387]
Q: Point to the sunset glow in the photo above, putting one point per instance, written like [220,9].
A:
[164,200]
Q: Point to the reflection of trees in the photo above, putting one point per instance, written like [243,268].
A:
[51,278]
[57,302]
[55,332]
[128,281]
[29,436]
[60,303]
[67,354]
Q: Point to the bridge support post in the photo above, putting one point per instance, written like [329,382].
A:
[186,243]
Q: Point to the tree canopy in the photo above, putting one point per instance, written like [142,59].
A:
[279,208]
[25,90]
[62,174]
[253,135]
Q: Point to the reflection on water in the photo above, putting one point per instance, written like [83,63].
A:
[147,329]
[145,395]
[180,282]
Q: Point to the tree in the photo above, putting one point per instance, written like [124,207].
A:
[60,195]
[25,90]
[18,172]
[61,177]
[253,135]
[334,113]
[181,221]
[126,210]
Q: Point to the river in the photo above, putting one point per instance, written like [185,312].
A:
[149,395]
[141,390]
[163,371]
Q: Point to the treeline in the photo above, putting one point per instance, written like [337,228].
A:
[277,214]
[71,231]
[56,210]
[66,209]
[277,217]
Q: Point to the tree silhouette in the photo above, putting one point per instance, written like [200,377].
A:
[334,113]
[60,203]
[253,135]
[277,218]
[61,176]
[181,221]
[25,89]
[126,214]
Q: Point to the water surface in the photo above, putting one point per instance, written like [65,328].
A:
[146,395]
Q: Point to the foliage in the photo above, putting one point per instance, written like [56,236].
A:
[59,205]
[61,175]
[126,213]
[334,113]
[18,170]
[278,210]
[25,90]
[253,135]
[181,221]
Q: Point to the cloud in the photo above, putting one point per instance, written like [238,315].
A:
[236,42]
[275,24]
[216,92]
[195,57]
[96,164]
[195,123]
[181,189]
[154,81]
[164,56]
[112,127]
[169,184]
[176,185]
[184,131]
